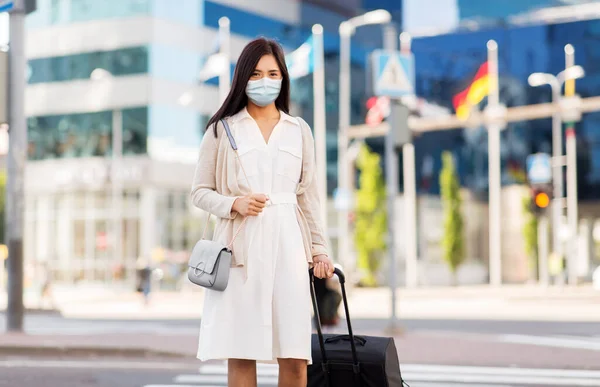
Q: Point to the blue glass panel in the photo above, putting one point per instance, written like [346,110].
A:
[52,12]
[174,63]
[124,61]
[85,134]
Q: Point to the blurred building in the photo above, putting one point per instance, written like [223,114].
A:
[95,65]
[146,55]
[529,41]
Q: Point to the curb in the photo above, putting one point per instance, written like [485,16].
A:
[80,351]
[37,311]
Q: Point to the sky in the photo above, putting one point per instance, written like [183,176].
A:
[422,15]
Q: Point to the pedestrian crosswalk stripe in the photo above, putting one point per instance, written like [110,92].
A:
[522,380]
[448,369]
[183,385]
[446,384]
[219,378]
[264,370]
[496,375]
[553,341]
[215,375]
[417,375]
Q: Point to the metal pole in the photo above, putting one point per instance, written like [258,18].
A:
[17,156]
[117,187]
[225,50]
[543,250]
[410,204]
[410,195]
[572,211]
[391,178]
[494,170]
[344,123]
[557,152]
[320,126]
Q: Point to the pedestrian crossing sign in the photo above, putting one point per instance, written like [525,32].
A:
[539,168]
[393,73]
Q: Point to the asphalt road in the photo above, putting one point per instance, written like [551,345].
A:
[35,372]
[434,353]
[114,372]
[55,324]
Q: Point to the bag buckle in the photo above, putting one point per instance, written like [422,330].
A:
[197,268]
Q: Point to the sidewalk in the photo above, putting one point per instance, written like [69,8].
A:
[511,302]
[413,348]
[525,303]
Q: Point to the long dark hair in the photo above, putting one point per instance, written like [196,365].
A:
[237,99]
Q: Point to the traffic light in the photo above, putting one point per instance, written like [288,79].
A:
[541,197]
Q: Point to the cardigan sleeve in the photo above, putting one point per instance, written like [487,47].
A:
[309,200]
[203,193]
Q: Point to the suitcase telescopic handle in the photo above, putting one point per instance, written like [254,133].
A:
[342,278]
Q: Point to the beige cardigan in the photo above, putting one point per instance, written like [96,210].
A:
[215,188]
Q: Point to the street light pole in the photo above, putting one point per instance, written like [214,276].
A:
[320,126]
[344,123]
[346,30]
[557,152]
[391,177]
[410,194]
[225,50]
[495,185]
[572,211]
[15,165]
[556,82]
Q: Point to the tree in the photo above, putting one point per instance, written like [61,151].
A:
[453,240]
[371,215]
[530,233]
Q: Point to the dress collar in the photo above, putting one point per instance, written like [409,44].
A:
[243,114]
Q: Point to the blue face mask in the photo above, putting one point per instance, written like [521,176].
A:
[264,91]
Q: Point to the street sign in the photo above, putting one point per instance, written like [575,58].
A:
[393,73]
[539,168]
[6,5]
[26,6]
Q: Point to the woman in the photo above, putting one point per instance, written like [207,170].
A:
[264,314]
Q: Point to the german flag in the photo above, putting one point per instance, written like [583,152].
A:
[472,95]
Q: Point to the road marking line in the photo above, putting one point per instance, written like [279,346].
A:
[182,385]
[222,369]
[200,379]
[551,342]
[99,364]
[532,372]
[411,377]
[427,384]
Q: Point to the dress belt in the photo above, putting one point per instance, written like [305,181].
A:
[282,198]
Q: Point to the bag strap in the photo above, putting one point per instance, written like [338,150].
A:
[237,156]
[235,149]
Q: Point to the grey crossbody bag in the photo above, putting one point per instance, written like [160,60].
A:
[210,261]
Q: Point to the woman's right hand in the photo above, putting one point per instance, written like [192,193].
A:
[250,205]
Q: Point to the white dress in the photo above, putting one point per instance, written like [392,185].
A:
[268,315]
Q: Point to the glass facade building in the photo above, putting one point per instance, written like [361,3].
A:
[92,219]
[445,64]
[153,53]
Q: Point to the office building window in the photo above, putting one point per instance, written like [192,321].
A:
[125,61]
[55,12]
[86,134]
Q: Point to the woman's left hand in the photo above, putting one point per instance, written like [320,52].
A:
[322,266]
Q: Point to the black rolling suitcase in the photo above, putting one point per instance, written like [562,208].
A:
[348,360]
